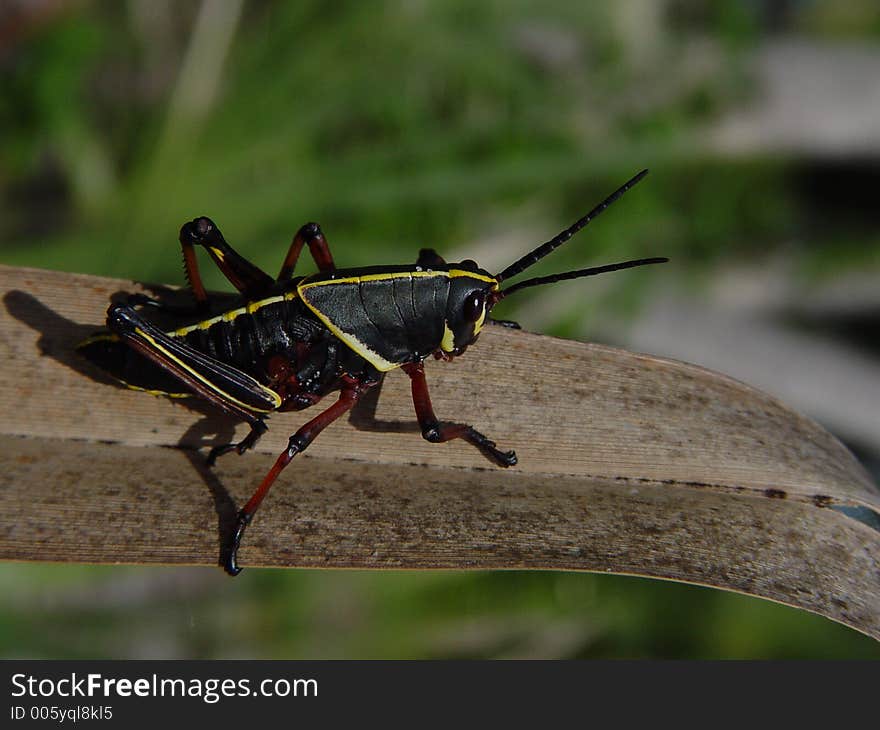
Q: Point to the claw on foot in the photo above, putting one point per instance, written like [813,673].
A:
[230,564]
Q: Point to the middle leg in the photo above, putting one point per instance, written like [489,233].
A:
[437,432]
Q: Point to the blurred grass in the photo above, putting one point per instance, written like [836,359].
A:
[82,612]
[396,125]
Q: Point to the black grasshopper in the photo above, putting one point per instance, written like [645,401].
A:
[292,340]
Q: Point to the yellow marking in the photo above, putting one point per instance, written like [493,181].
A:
[456,273]
[203,325]
[401,275]
[447,344]
[291,295]
[478,325]
[231,314]
[157,393]
[254,306]
[217,252]
[272,394]
[373,277]
[451,274]
[372,357]
[98,338]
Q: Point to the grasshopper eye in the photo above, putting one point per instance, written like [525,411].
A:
[473,305]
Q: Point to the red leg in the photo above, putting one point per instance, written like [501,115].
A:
[309,234]
[191,267]
[351,391]
[249,279]
[437,432]
[191,271]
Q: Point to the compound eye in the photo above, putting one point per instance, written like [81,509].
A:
[473,305]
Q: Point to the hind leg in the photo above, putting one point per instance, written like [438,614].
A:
[352,390]
[249,279]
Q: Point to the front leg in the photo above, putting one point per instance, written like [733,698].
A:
[508,323]
[437,432]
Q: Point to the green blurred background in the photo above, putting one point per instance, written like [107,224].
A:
[478,128]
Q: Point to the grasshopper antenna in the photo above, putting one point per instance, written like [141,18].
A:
[537,281]
[534,256]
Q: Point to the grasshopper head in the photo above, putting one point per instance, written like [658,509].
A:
[471,292]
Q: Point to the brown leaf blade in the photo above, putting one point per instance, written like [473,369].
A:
[628,464]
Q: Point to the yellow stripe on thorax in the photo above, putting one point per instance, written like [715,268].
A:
[456,273]
[372,277]
[414,274]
